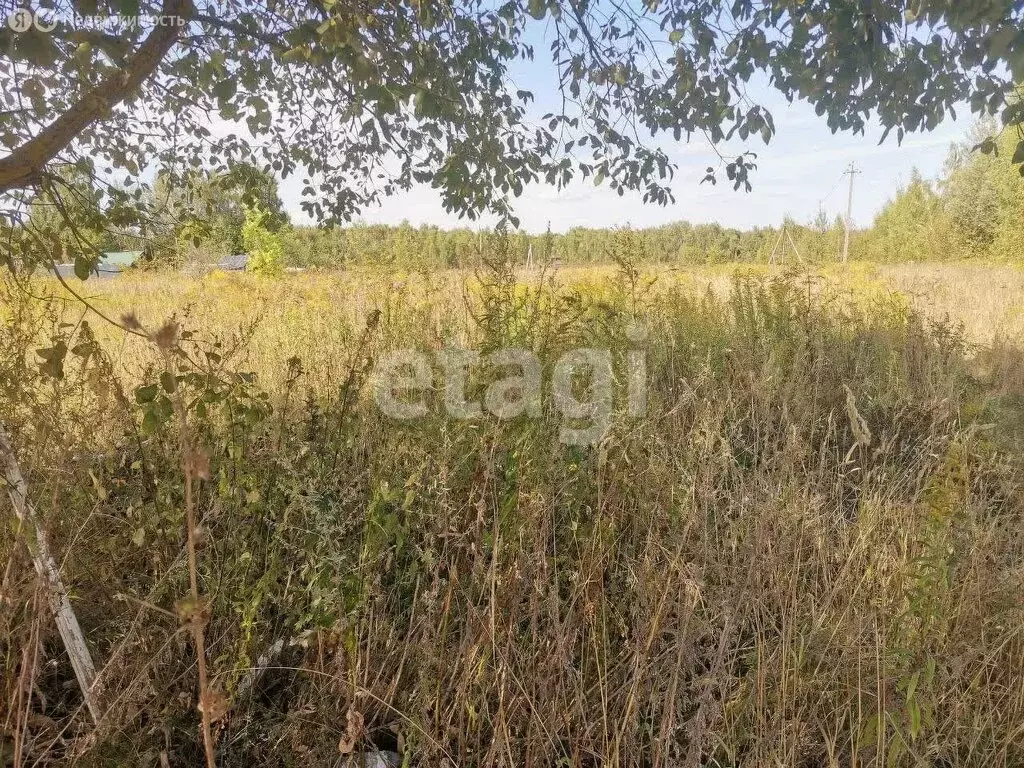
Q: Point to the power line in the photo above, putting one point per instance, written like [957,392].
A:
[839,181]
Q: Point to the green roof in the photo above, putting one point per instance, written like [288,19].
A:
[121,258]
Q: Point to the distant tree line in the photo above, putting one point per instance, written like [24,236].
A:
[974,210]
[406,246]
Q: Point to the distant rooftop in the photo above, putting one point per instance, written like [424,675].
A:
[119,258]
[110,264]
[235,263]
[67,271]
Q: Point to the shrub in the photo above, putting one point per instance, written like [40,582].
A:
[263,246]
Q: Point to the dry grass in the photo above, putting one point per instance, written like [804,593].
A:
[985,298]
[807,554]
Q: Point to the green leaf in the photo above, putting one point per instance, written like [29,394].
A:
[1018,155]
[897,749]
[163,408]
[225,89]
[869,731]
[83,267]
[675,37]
[295,54]
[53,360]
[987,147]
[168,382]
[84,349]
[145,394]
[150,423]
[914,713]
[912,685]
[37,47]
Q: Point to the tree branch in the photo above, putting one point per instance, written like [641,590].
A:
[241,30]
[24,165]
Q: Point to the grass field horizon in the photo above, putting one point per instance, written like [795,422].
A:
[531,384]
[807,551]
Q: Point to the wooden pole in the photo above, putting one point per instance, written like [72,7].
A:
[795,249]
[852,170]
[771,259]
[46,567]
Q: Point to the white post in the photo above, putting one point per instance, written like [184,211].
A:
[63,613]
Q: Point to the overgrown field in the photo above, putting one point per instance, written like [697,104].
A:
[808,551]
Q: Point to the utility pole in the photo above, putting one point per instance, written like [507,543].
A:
[852,170]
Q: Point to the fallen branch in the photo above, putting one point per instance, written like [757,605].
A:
[46,567]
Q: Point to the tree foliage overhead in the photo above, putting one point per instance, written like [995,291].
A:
[362,99]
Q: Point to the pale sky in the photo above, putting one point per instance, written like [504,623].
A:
[798,172]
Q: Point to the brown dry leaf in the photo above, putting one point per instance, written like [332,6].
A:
[130,321]
[859,425]
[346,745]
[353,732]
[167,336]
[192,611]
[214,703]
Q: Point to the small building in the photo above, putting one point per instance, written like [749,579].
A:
[120,259]
[111,264]
[235,263]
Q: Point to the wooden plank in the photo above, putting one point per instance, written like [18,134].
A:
[46,567]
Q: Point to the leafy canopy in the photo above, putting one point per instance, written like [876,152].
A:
[211,208]
[362,99]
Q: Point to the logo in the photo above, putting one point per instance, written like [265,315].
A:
[20,19]
[43,24]
[509,383]
[23,19]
